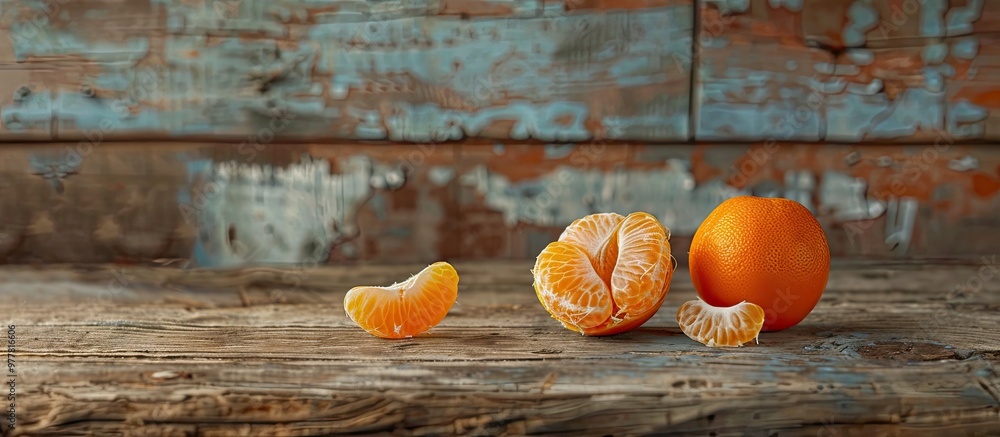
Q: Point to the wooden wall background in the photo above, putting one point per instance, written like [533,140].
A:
[240,131]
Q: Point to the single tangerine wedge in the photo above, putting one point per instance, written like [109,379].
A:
[606,274]
[720,326]
[405,309]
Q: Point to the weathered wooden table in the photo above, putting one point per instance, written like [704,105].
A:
[905,349]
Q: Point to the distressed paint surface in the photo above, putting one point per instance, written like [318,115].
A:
[498,111]
[871,200]
[743,94]
[887,94]
[259,214]
[849,23]
[756,80]
[973,96]
[846,71]
[396,70]
[303,204]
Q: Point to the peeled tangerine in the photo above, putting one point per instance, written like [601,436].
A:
[405,309]
[606,274]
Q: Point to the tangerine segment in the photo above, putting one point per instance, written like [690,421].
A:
[569,288]
[643,269]
[596,235]
[408,308]
[616,325]
[720,326]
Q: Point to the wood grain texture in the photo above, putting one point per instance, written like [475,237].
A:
[417,71]
[905,348]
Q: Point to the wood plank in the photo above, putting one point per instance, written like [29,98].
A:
[402,71]
[756,79]
[518,198]
[759,92]
[904,348]
[325,70]
[141,201]
[845,71]
[543,397]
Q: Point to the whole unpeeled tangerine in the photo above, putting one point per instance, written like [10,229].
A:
[771,252]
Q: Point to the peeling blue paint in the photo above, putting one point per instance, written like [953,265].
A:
[558,151]
[508,70]
[844,197]
[732,6]
[932,18]
[852,117]
[863,17]
[861,56]
[102,115]
[29,113]
[868,89]
[568,193]
[762,116]
[967,120]
[965,48]
[960,19]
[377,204]
[249,214]
[224,15]
[791,5]
[441,175]
[54,168]
[31,38]
[934,53]
[847,70]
